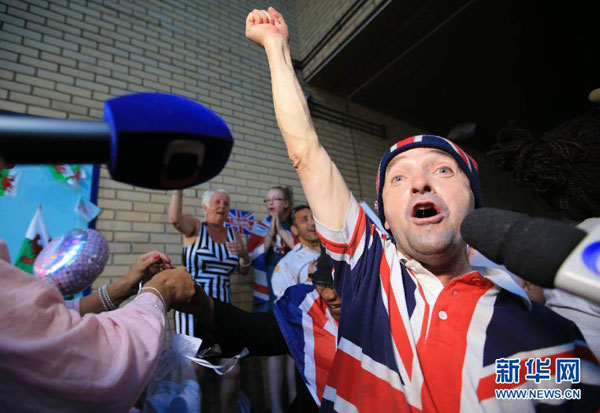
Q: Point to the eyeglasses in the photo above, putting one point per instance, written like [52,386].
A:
[266,201]
[323,284]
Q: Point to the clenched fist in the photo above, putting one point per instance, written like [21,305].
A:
[264,25]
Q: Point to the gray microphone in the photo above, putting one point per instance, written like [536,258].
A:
[546,252]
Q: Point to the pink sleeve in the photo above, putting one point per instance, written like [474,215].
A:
[97,359]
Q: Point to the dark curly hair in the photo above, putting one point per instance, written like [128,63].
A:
[562,165]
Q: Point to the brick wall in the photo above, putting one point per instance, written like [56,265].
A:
[64,58]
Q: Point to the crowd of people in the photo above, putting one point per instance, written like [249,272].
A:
[351,317]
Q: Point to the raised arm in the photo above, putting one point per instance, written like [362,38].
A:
[185,224]
[322,182]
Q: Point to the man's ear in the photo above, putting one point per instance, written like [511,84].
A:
[294,230]
[386,225]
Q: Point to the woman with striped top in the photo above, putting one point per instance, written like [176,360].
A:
[211,252]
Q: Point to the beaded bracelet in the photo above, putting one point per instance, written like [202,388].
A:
[102,301]
[109,303]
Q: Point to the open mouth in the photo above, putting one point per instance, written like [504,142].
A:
[424,210]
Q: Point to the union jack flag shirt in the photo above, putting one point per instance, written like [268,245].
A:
[407,343]
[310,332]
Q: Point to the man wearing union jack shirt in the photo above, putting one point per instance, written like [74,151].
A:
[420,330]
[303,323]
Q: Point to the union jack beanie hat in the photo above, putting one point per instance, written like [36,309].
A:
[464,161]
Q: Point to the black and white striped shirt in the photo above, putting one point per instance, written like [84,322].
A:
[210,264]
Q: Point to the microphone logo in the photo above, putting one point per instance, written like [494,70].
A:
[591,257]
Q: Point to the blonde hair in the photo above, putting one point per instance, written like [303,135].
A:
[288,195]
[208,194]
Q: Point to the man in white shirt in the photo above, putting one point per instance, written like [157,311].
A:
[295,266]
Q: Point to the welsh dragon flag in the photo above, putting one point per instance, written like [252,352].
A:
[36,238]
[71,174]
[9,180]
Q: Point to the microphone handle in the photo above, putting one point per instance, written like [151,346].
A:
[580,272]
[36,140]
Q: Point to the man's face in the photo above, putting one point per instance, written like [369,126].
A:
[426,196]
[304,226]
[331,298]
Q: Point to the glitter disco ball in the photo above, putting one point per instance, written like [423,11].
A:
[73,260]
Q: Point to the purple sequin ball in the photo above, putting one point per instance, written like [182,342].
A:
[73,260]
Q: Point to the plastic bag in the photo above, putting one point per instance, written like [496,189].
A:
[221,366]
[173,387]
